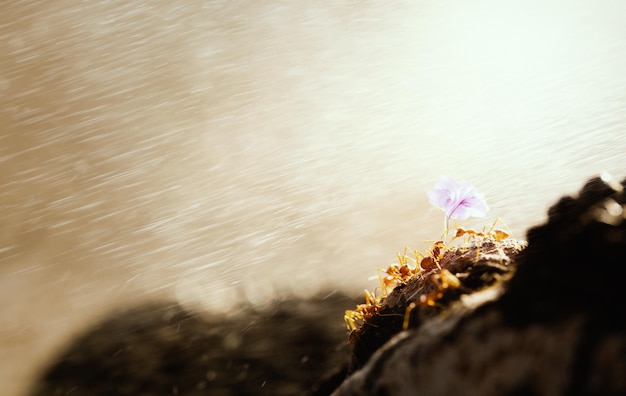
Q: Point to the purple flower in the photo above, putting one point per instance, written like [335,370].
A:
[459,200]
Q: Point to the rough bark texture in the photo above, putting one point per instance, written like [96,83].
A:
[559,328]
[482,264]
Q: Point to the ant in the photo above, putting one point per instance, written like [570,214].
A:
[363,312]
[493,233]
[395,274]
[444,280]
[437,250]
[399,274]
[432,260]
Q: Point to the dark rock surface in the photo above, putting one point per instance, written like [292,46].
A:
[559,328]
[159,349]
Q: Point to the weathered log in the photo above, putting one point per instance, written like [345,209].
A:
[558,327]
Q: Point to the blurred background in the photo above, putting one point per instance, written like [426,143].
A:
[221,151]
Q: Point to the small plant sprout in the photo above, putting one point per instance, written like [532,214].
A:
[459,200]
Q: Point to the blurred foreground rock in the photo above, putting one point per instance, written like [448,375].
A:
[289,348]
[558,327]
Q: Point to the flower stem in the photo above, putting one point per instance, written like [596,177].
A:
[445,228]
